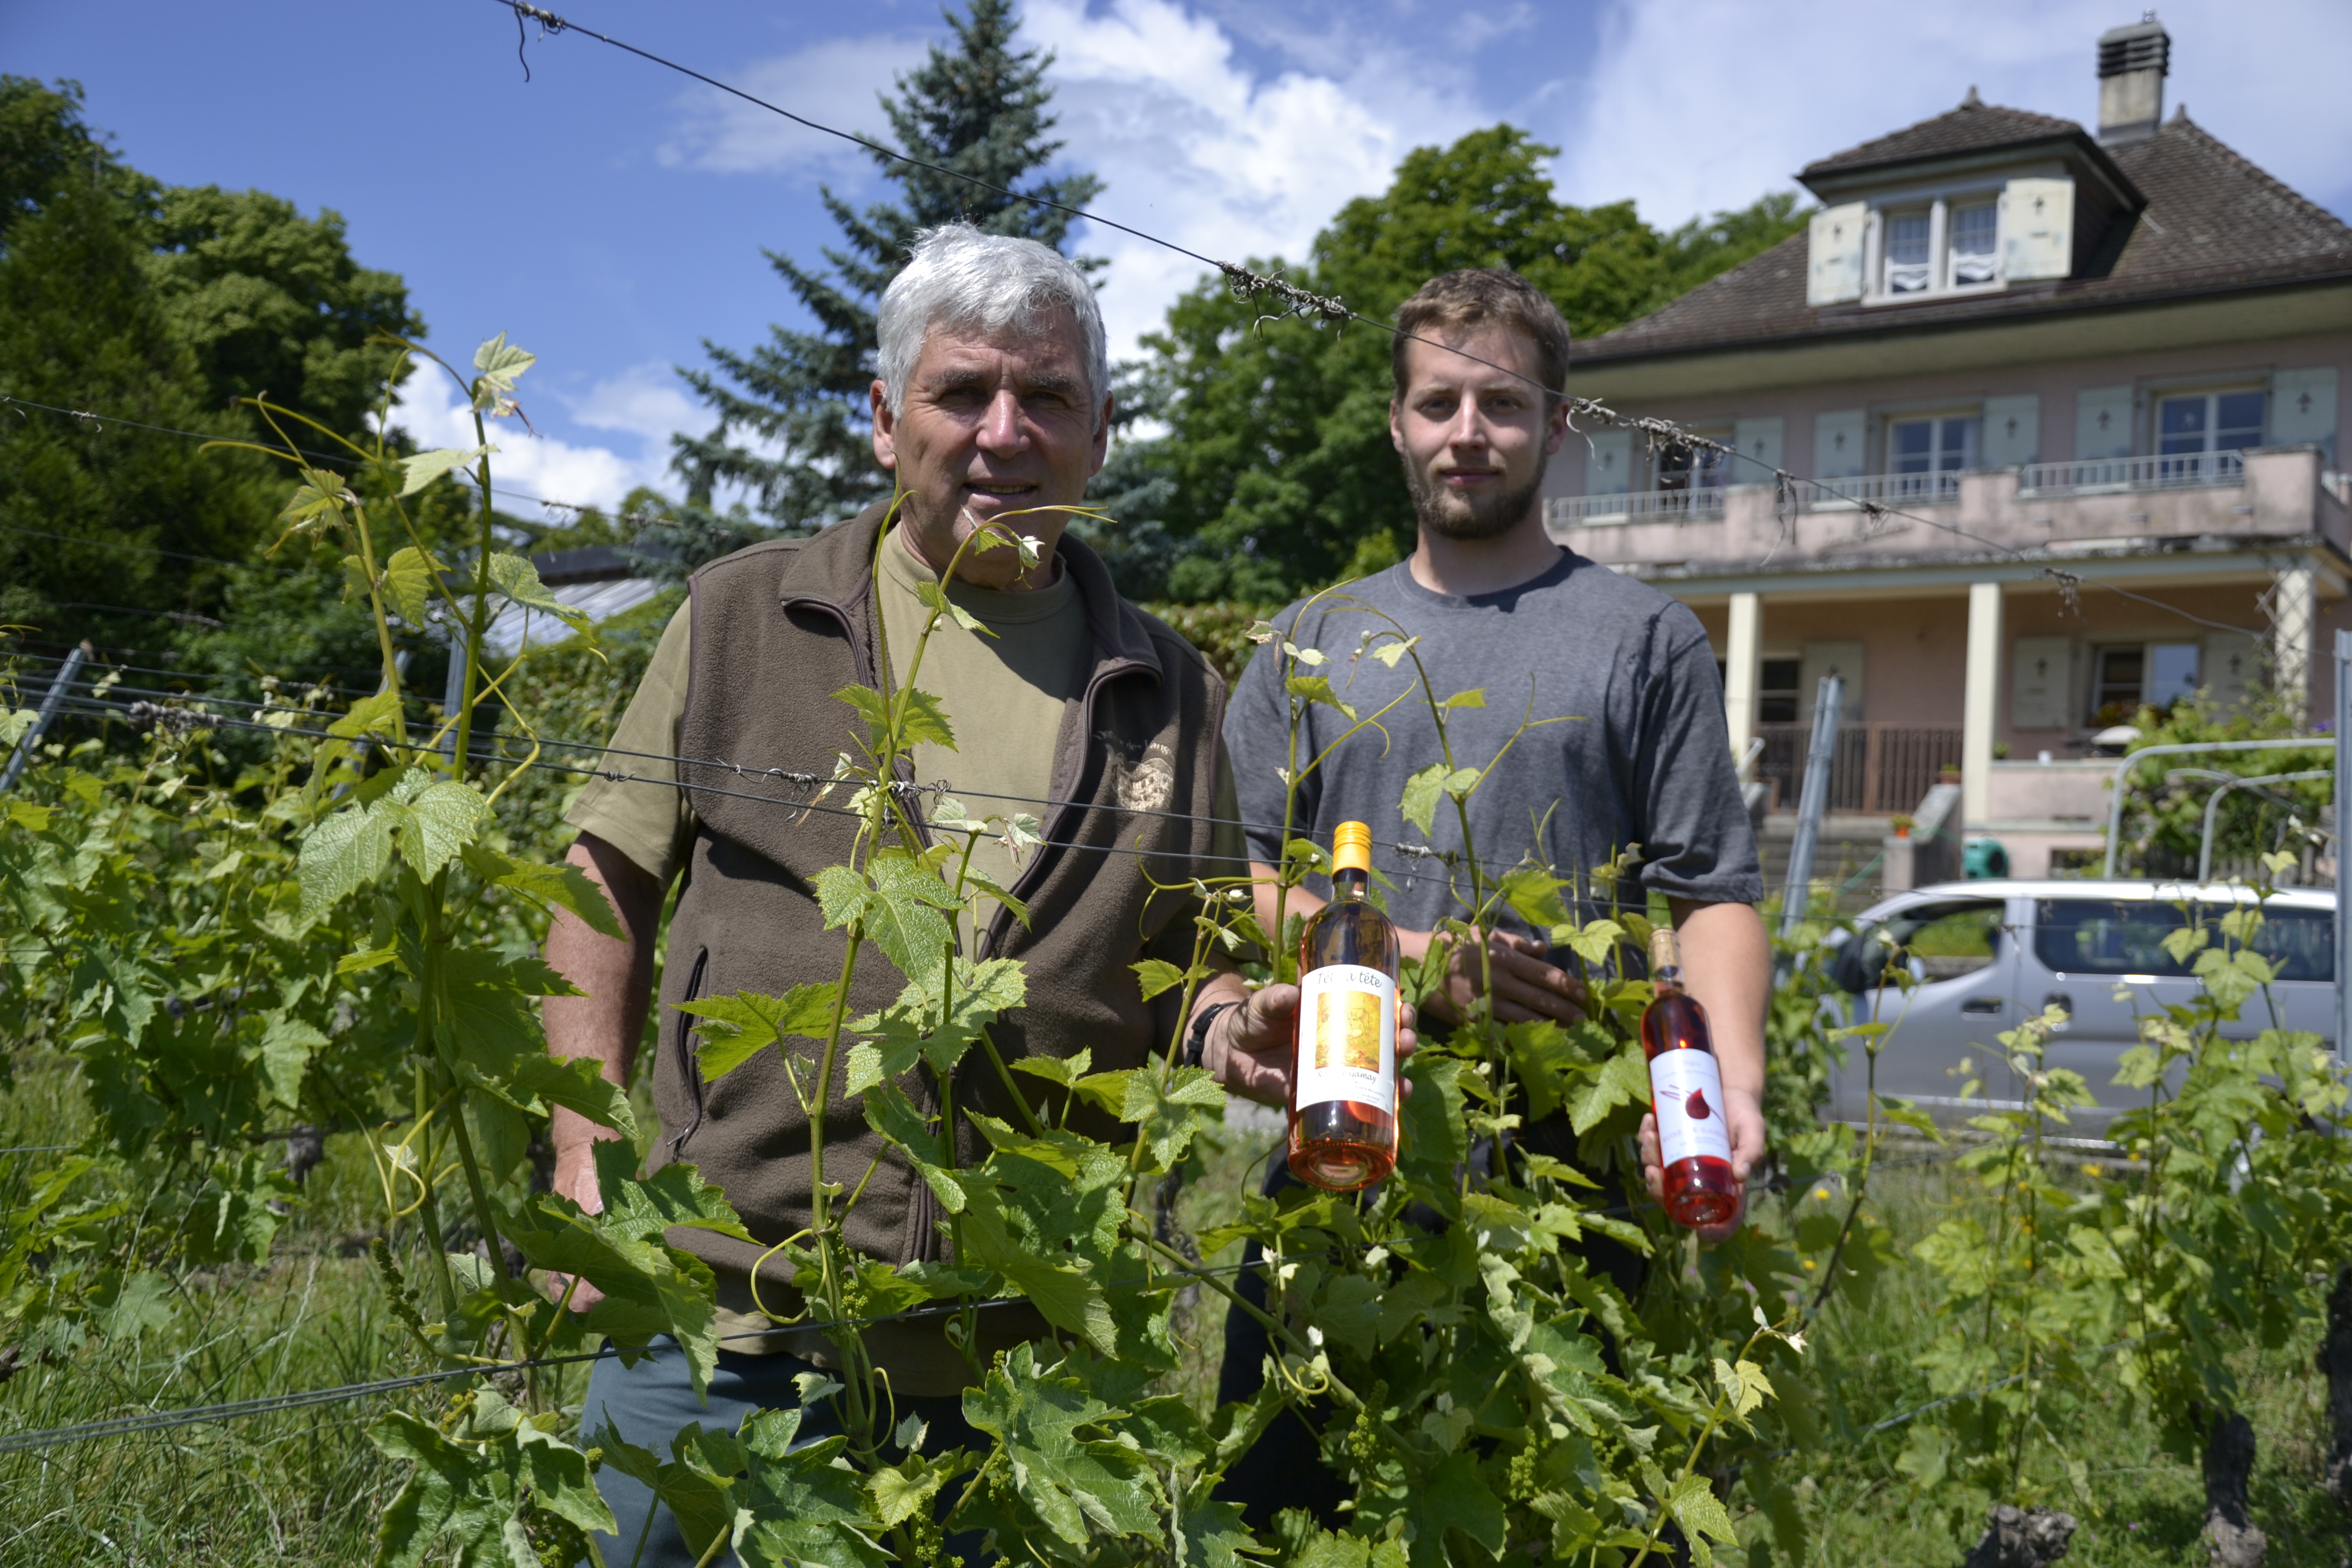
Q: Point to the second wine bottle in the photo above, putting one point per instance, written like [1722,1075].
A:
[1343,1093]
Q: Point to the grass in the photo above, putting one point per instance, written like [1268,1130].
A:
[305,1486]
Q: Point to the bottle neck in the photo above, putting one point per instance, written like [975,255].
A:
[1348,886]
[1668,981]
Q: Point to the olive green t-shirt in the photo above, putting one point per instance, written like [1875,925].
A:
[1005,688]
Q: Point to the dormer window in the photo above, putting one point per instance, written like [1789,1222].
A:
[1909,247]
[1976,233]
[1919,244]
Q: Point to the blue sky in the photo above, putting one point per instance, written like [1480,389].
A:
[611,216]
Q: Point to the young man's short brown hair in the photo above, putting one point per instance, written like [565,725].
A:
[1454,305]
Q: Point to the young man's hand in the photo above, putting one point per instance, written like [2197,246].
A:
[1250,1045]
[1528,985]
[1743,1119]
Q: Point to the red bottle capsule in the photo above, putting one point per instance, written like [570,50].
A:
[1686,1095]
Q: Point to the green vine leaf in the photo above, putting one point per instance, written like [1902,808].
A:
[1421,792]
[342,854]
[419,471]
[736,1029]
[562,886]
[1317,688]
[922,719]
[1168,1119]
[517,579]
[1075,1483]
[1624,1079]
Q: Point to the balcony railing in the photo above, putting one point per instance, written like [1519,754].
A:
[1877,768]
[1703,504]
[2091,476]
[1881,489]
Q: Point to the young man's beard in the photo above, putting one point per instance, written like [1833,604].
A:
[1452,515]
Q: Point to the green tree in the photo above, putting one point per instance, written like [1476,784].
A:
[268,301]
[793,426]
[160,305]
[1276,473]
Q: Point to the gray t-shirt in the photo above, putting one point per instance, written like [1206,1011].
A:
[1642,756]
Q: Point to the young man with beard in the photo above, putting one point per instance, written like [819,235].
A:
[1636,751]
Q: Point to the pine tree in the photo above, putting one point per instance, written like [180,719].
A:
[978,107]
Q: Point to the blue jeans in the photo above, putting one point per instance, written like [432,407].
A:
[652,1401]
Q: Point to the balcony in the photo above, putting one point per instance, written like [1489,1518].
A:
[2104,476]
[1703,504]
[1938,488]
[2044,510]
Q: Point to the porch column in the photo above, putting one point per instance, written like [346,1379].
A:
[1979,708]
[1740,669]
[2294,615]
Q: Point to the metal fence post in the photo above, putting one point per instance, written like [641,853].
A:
[49,705]
[2343,837]
[1811,801]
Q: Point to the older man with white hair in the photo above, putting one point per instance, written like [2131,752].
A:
[1066,702]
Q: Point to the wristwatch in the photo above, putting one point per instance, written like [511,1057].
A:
[1196,1039]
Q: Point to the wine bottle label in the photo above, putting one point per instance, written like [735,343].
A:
[1347,1036]
[1687,1092]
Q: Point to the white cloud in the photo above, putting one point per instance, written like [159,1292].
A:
[545,467]
[834,83]
[1196,150]
[645,400]
[1695,105]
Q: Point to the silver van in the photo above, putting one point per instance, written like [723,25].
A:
[1989,954]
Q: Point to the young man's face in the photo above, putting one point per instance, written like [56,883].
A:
[992,424]
[1475,438]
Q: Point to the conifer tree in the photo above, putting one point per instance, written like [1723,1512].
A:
[792,423]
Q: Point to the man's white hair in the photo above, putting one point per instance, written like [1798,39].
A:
[964,280]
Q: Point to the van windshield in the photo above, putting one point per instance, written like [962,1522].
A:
[2126,936]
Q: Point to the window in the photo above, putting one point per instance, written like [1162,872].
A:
[1944,941]
[1907,262]
[2108,936]
[1974,258]
[1692,469]
[2101,936]
[1776,690]
[2198,436]
[2171,673]
[1932,453]
[2157,674]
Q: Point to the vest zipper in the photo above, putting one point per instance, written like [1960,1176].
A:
[687,1068]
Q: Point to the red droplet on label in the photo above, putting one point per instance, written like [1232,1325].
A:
[1695,1105]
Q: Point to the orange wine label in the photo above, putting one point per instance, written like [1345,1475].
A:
[1687,1092]
[1347,1036]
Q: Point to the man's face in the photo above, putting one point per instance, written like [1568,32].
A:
[1474,439]
[993,425]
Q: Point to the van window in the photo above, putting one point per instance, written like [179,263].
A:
[1947,940]
[2126,936]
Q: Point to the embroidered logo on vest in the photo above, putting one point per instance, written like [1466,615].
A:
[1149,783]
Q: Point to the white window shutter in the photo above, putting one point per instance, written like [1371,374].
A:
[2303,408]
[2037,229]
[2012,431]
[2103,423]
[1609,462]
[1833,255]
[1759,441]
[2230,663]
[1838,443]
[2041,684]
[1842,659]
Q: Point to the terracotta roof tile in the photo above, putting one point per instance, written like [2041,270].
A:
[2212,220]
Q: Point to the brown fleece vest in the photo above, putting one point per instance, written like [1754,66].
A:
[777,629]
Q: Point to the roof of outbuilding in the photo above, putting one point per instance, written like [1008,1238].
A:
[2213,221]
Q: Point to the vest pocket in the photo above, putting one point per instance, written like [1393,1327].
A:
[689,1071]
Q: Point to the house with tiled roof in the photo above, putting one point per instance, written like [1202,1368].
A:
[2060,414]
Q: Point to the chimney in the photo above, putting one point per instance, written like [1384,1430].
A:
[2133,62]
